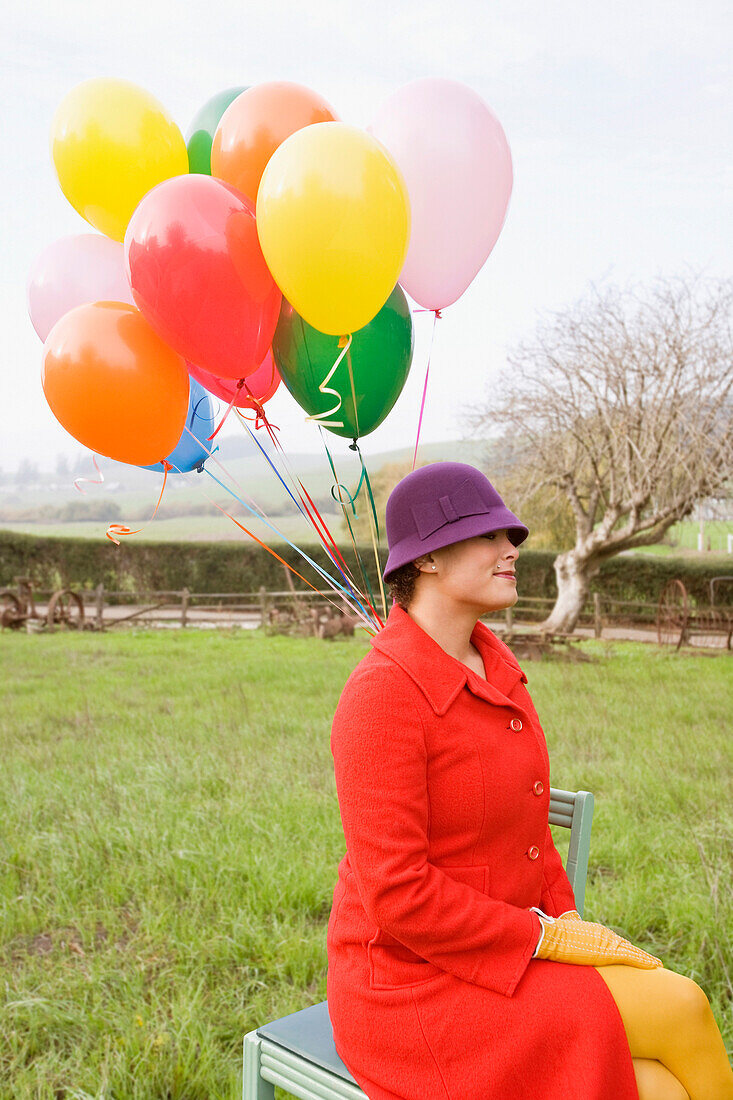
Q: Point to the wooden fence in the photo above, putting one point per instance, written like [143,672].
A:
[106,609]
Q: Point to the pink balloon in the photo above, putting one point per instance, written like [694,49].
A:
[260,385]
[455,158]
[74,271]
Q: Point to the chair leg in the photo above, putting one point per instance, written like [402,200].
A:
[253,1087]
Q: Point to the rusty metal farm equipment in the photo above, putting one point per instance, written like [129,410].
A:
[65,608]
[679,622]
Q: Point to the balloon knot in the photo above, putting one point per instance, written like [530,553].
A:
[166,465]
[343,341]
[438,314]
[240,383]
[354,446]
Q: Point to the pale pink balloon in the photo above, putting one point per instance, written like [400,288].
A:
[260,384]
[72,272]
[454,155]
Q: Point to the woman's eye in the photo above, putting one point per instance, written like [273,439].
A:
[490,535]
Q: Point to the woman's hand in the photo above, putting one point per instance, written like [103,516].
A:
[570,940]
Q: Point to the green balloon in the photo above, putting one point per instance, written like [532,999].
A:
[200,134]
[380,353]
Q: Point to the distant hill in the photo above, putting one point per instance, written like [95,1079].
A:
[50,504]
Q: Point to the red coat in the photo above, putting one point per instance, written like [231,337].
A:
[443,783]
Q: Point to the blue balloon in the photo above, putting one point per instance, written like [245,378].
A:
[191,453]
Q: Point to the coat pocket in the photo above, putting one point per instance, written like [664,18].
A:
[394,966]
[476,876]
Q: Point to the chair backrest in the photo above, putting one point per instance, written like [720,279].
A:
[574,811]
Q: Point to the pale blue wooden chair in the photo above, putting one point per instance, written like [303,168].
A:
[297,1052]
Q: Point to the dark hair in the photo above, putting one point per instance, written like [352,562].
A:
[402,583]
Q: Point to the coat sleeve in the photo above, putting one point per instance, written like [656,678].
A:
[557,895]
[380,762]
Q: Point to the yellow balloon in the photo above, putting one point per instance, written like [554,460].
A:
[333,218]
[111,142]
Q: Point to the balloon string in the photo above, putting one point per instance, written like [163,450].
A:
[364,574]
[327,541]
[351,499]
[90,480]
[374,527]
[230,406]
[353,393]
[121,529]
[273,466]
[361,612]
[436,315]
[343,489]
[344,344]
[210,454]
[319,570]
[261,419]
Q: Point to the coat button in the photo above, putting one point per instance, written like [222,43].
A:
[515,724]
[539,787]
[533,852]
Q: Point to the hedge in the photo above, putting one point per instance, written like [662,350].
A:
[245,567]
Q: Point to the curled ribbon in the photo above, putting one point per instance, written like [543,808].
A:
[344,344]
[91,480]
[121,529]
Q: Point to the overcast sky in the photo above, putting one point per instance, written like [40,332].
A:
[619,117]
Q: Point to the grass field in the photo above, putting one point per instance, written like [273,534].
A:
[170,834]
[191,528]
[681,540]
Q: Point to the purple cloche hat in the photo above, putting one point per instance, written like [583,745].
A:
[443,503]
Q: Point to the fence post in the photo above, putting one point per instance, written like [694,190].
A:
[185,595]
[597,620]
[100,607]
[264,605]
[509,619]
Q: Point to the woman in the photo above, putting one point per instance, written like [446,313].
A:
[458,968]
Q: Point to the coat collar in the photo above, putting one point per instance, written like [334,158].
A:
[441,677]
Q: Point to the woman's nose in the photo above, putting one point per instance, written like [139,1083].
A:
[509,551]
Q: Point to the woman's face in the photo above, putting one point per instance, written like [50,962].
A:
[478,571]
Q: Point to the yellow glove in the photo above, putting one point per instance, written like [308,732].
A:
[566,939]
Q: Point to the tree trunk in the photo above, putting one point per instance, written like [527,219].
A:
[573,583]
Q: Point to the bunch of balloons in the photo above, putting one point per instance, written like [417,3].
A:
[277,241]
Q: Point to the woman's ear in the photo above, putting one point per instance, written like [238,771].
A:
[425,563]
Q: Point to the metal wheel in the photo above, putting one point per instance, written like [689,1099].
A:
[673,614]
[11,611]
[65,608]
[710,628]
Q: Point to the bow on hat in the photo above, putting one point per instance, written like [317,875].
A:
[465,500]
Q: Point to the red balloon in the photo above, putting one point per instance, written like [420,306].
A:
[258,387]
[198,275]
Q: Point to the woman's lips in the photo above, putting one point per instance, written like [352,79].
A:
[509,576]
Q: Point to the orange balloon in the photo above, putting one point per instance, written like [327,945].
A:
[255,123]
[114,384]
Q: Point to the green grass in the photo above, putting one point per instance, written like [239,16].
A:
[170,833]
[188,528]
[681,539]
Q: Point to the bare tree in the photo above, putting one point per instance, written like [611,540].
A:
[623,403]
